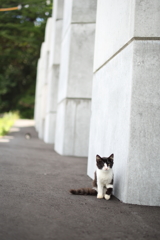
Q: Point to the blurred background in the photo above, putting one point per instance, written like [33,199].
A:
[21,35]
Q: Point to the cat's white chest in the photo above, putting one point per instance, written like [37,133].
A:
[104,177]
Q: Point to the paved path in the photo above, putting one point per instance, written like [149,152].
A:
[35,203]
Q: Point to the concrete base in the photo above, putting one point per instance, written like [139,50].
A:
[72,127]
[42,109]
[41,128]
[125,121]
[49,129]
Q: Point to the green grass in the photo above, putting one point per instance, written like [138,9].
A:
[7,121]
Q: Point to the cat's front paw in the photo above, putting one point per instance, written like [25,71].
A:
[99,196]
[107,197]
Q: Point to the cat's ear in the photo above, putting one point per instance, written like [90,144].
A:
[98,158]
[111,157]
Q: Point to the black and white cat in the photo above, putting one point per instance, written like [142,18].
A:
[103,181]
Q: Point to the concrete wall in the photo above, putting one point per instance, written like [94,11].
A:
[75,81]
[37,96]
[123,117]
[53,73]
[41,89]
[48,76]
[125,97]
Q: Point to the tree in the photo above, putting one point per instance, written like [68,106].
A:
[21,35]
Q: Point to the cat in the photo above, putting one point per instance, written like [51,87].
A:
[103,181]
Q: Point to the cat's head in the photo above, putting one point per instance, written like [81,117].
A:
[105,163]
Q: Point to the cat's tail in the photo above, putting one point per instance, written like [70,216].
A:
[84,191]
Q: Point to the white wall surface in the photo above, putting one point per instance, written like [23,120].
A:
[77,62]
[110,119]
[75,81]
[114,28]
[144,151]
[53,72]
[125,97]
[72,127]
[117,24]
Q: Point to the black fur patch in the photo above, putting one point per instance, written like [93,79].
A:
[109,191]
[95,180]
[83,191]
[101,160]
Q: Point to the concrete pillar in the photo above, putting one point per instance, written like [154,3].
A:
[75,82]
[126,105]
[53,73]
[45,63]
[40,85]
[37,96]
[42,81]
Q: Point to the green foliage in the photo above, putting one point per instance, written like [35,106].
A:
[21,35]
[7,121]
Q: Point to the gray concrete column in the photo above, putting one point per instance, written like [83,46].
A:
[40,84]
[75,82]
[45,65]
[53,73]
[126,97]
[37,96]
